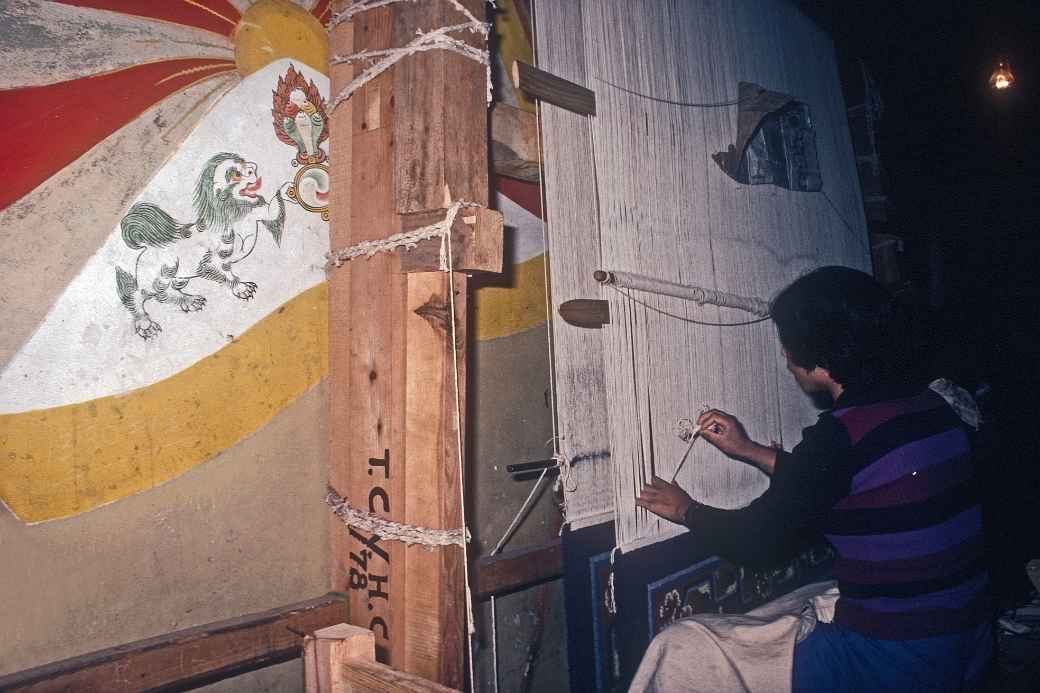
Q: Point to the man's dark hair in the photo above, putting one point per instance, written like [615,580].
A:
[843,320]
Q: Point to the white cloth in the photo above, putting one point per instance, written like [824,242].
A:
[731,653]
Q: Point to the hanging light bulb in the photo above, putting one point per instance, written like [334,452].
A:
[1002,78]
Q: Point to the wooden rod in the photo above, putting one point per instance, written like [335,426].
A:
[511,571]
[552,89]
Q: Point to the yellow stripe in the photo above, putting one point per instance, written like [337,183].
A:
[67,460]
[500,312]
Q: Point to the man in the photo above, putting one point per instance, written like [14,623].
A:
[886,474]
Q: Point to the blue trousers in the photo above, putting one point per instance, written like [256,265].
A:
[833,659]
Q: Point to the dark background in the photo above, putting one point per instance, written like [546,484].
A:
[961,172]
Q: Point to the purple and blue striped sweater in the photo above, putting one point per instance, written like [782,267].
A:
[887,476]
[909,533]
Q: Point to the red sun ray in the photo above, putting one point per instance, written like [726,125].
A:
[321,10]
[49,127]
[218,16]
[524,193]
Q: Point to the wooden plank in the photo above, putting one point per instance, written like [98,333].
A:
[514,143]
[440,150]
[516,130]
[366,344]
[510,571]
[552,89]
[341,659]
[363,676]
[589,313]
[521,169]
[326,649]
[190,657]
[477,238]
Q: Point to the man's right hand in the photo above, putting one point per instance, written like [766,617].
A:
[725,432]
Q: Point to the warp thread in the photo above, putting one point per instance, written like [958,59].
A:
[404,239]
[397,531]
[437,39]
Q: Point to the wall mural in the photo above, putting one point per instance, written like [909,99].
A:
[168,228]
[166,234]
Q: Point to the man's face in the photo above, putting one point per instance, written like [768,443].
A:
[810,381]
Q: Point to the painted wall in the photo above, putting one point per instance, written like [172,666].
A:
[162,413]
[513,420]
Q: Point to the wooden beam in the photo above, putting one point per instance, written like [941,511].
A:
[187,658]
[589,313]
[514,143]
[476,241]
[552,89]
[521,169]
[440,154]
[516,130]
[362,676]
[511,571]
[394,430]
[341,659]
[325,650]
[367,304]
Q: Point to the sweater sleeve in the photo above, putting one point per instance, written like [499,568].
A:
[805,484]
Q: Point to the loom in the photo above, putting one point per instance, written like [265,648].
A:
[713,167]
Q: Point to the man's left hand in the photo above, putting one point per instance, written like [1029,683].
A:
[664,499]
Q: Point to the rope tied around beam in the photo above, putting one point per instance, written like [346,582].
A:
[388,529]
[404,239]
[436,39]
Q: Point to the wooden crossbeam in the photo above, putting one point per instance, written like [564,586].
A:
[515,149]
[476,241]
[187,658]
[552,89]
[511,571]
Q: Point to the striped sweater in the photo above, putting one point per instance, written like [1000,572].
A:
[887,476]
[909,533]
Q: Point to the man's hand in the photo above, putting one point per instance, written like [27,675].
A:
[664,499]
[725,432]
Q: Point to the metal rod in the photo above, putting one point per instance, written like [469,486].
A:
[534,466]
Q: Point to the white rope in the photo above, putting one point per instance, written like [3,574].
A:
[437,39]
[405,239]
[388,529]
[471,628]
[697,294]
[397,531]
[360,6]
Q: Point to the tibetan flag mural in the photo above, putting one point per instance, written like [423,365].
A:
[165,205]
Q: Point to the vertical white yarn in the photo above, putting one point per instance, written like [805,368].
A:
[667,211]
[470,622]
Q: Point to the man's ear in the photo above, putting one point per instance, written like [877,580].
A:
[825,372]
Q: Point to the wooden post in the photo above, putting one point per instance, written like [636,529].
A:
[325,650]
[341,659]
[412,140]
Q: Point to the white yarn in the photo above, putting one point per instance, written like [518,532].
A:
[396,531]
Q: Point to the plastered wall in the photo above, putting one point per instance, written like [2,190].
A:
[162,362]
